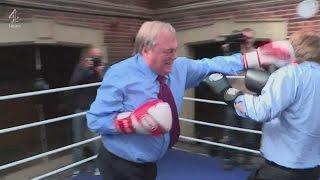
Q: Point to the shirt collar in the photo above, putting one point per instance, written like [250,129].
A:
[312,63]
[147,71]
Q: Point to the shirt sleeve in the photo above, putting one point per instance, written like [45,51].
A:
[277,95]
[107,105]
[197,70]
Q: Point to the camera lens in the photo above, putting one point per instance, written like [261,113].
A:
[96,60]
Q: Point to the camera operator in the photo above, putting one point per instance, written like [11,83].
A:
[239,41]
[90,69]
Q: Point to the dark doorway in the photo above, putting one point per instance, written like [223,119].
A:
[212,112]
[205,111]
[20,68]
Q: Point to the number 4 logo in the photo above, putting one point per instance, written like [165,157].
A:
[13,17]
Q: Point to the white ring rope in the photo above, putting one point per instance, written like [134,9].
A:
[221,126]
[235,77]
[28,94]
[15,163]
[65,168]
[16,128]
[181,137]
[204,100]
[220,144]
[35,93]
[11,129]
[98,137]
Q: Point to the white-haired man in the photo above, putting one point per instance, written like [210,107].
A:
[137,105]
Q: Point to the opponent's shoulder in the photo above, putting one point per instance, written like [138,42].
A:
[288,71]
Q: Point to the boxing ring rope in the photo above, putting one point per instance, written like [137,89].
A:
[15,163]
[35,93]
[221,126]
[180,137]
[219,144]
[16,128]
[204,100]
[235,77]
[98,137]
[65,168]
[28,94]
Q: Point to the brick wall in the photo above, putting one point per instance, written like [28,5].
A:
[118,39]
[141,3]
[197,17]
[158,4]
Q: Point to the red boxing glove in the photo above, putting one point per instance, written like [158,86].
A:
[154,117]
[278,53]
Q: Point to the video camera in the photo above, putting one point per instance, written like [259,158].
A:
[237,38]
[235,41]
[96,60]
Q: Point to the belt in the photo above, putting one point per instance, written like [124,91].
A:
[105,152]
[271,163]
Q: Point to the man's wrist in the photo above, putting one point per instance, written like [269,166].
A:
[230,95]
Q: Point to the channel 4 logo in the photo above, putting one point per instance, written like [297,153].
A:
[14,19]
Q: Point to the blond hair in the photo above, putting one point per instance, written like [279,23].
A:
[148,32]
[306,46]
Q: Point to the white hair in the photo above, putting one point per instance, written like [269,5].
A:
[148,32]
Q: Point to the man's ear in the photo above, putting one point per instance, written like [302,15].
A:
[146,51]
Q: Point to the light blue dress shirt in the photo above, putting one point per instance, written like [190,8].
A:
[130,83]
[289,107]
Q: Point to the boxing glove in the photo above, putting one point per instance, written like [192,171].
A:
[153,117]
[255,80]
[278,53]
[221,88]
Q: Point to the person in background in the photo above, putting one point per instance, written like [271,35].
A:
[233,158]
[90,69]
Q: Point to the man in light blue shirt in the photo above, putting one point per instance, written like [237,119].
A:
[129,84]
[289,108]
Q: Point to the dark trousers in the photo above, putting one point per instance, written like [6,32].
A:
[113,167]
[272,171]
